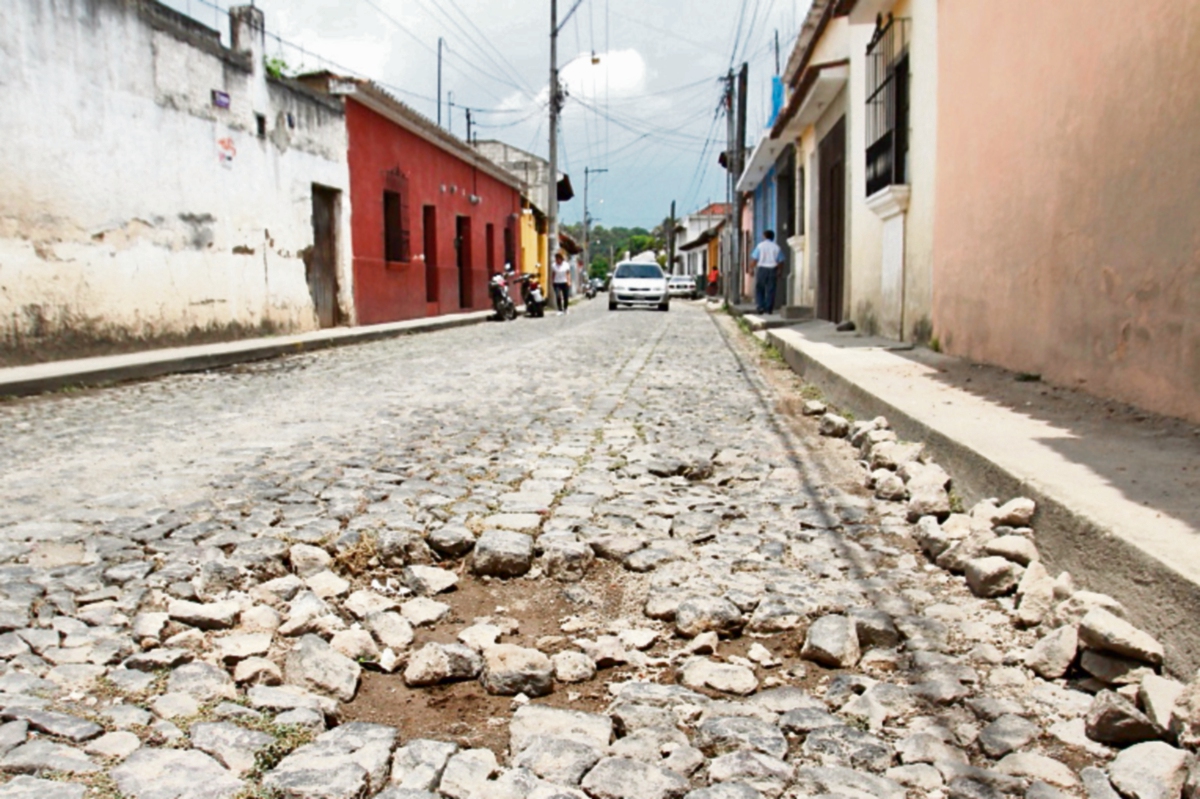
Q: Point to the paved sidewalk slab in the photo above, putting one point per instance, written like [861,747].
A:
[1111,509]
[82,372]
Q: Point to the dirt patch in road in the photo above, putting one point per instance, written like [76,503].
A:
[464,712]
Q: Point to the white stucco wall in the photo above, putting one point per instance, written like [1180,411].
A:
[871,301]
[922,154]
[129,201]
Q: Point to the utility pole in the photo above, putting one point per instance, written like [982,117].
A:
[450,112]
[777,72]
[468,126]
[740,160]
[552,179]
[555,107]
[587,259]
[671,241]
[440,41]
[732,267]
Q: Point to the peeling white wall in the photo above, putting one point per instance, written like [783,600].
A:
[129,201]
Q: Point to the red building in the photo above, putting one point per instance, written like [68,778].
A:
[431,219]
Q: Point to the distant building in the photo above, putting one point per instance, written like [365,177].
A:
[699,229]
[534,172]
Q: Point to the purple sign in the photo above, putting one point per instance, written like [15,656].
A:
[220,99]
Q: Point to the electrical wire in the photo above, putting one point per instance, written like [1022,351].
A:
[513,70]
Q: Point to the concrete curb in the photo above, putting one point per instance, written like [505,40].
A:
[1123,553]
[89,372]
[757,323]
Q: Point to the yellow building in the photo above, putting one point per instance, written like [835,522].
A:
[533,242]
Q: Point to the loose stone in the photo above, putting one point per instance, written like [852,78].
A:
[314,664]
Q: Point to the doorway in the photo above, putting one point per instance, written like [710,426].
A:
[785,223]
[462,243]
[321,266]
[489,243]
[429,233]
[831,223]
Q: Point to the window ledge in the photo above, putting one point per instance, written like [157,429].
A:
[889,202]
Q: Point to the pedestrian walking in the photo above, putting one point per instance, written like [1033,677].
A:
[713,277]
[764,261]
[561,277]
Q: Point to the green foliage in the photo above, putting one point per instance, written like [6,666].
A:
[599,268]
[640,242]
[619,239]
[276,67]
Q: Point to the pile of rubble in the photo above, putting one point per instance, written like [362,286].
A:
[1083,638]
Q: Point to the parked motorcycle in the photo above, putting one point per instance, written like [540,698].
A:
[532,296]
[589,290]
[501,301]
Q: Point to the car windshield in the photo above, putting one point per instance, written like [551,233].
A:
[638,270]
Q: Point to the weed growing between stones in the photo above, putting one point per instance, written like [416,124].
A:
[99,784]
[356,559]
[288,738]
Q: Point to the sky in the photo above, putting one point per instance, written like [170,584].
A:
[644,80]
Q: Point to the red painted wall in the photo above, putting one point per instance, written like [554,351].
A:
[389,292]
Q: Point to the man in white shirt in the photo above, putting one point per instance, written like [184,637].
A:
[764,261]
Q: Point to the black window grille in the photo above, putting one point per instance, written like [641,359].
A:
[396,237]
[887,104]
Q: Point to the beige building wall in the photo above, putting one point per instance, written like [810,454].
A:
[918,257]
[1067,241]
[881,302]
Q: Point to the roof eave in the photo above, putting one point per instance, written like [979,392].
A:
[387,106]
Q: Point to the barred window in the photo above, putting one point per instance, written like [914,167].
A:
[887,104]
[396,237]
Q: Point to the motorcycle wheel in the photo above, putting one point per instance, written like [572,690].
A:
[510,312]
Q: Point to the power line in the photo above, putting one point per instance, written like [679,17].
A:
[513,70]
[737,35]
[399,25]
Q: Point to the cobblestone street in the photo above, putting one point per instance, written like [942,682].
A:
[600,555]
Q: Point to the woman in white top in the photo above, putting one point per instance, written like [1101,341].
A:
[561,277]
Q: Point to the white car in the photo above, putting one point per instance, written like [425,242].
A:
[682,286]
[642,285]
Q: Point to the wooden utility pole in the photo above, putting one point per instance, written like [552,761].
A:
[555,107]
[740,161]
[587,253]
[671,241]
[732,269]
[552,179]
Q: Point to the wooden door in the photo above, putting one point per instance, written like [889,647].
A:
[321,266]
[462,243]
[831,223]
[429,234]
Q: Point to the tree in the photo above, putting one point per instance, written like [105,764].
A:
[599,267]
[619,239]
[643,241]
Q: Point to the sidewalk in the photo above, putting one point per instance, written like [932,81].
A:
[82,372]
[1118,489]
